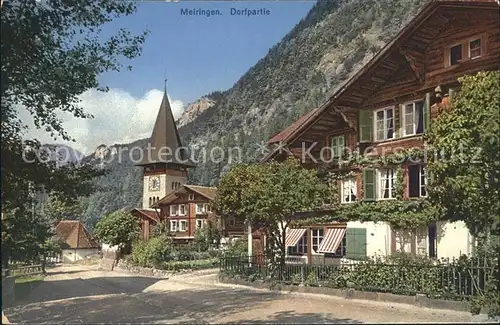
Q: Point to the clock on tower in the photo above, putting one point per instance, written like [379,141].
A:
[154,183]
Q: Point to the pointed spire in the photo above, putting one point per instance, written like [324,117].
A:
[165,140]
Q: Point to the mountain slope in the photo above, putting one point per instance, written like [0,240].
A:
[312,61]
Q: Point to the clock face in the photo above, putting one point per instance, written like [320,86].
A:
[154,183]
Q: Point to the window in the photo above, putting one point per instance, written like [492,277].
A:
[173,210]
[200,223]
[183,225]
[416,181]
[456,54]
[231,222]
[150,201]
[182,210]
[348,190]
[199,208]
[384,124]
[317,238]
[191,197]
[207,207]
[338,144]
[414,118]
[174,226]
[475,48]
[341,250]
[387,178]
[300,248]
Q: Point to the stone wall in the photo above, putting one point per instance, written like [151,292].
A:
[125,266]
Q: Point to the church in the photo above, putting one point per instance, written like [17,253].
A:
[167,197]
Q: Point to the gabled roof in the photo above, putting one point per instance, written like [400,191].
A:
[208,192]
[286,134]
[340,99]
[75,235]
[165,135]
[205,191]
[148,213]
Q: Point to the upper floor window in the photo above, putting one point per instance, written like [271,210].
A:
[174,225]
[200,208]
[191,197]
[414,118]
[200,223]
[384,124]
[386,184]
[417,181]
[348,190]
[456,54]
[182,209]
[173,210]
[338,144]
[475,48]
[207,207]
[467,49]
[183,225]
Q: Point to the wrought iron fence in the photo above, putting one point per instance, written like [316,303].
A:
[451,280]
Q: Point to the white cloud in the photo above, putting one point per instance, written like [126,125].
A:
[118,118]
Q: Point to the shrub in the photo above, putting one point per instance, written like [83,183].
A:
[118,228]
[152,252]
[238,247]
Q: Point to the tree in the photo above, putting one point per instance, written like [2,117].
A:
[56,209]
[466,173]
[271,194]
[207,237]
[52,52]
[118,228]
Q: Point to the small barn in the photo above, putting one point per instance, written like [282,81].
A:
[77,243]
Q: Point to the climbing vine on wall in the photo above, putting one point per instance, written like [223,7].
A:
[399,213]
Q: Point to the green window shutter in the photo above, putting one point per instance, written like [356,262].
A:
[365,125]
[355,243]
[427,112]
[369,185]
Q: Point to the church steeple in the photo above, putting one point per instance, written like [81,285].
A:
[165,143]
[166,161]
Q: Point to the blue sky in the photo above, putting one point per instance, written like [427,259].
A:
[201,54]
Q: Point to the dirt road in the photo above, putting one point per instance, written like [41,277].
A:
[83,295]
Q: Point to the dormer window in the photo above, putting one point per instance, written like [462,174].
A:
[475,48]
[456,54]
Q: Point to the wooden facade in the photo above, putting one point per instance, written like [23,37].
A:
[390,103]
[188,209]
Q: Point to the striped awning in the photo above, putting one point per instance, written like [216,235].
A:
[293,236]
[332,240]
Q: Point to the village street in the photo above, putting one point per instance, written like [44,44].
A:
[81,294]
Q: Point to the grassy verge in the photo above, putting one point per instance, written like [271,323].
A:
[24,285]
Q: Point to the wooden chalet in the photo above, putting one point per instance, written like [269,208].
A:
[387,106]
[189,208]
